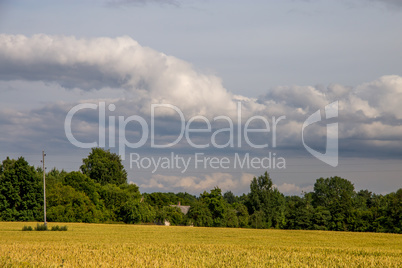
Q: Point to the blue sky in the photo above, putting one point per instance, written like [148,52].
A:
[277,58]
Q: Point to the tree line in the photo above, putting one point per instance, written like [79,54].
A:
[99,193]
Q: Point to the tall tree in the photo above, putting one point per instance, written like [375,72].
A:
[82,183]
[216,205]
[242,214]
[21,192]
[299,212]
[267,199]
[200,215]
[230,197]
[104,167]
[335,194]
[66,204]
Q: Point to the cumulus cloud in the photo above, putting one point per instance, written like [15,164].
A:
[135,77]
[237,183]
[293,189]
[369,111]
[115,63]
[198,184]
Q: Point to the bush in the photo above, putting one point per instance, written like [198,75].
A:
[59,228]
[27,228]
[41,227]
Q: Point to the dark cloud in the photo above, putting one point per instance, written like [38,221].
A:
[370,118]
[115,63]
[80,76]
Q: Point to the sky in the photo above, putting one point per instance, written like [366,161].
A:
[201,94]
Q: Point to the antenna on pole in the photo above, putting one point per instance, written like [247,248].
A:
[44,186]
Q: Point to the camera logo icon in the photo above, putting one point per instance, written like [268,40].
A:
[330,156]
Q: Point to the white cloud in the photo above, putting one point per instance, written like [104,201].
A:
[293,189]
[117,63]
[383,94]
[198,184]
[121,71]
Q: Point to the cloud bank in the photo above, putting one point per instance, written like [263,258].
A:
[98,63]
[370,118]
[368,112]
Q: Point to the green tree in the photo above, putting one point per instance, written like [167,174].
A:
[362,216]
[171,214]
[104,167]
[160,200]
[53,177]
[335,194]
[21,191]
[264,197]
[134,211]
[216,205]
[83,183]
[200,215]
[387,212]
[257,220]
[229,197]
[395,211]
[242,214]
[65,204]
[186,199]
[115,198]
[299,212]
[321,218]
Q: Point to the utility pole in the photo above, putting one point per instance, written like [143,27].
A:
[44,186]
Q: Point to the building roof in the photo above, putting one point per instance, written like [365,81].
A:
[183,209]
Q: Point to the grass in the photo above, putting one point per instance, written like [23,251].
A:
[101,245]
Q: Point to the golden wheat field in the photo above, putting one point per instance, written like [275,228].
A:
[113,245]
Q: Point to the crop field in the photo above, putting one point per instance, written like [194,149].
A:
[113,245]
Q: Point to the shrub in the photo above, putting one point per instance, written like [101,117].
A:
[27,228]
[41,227]
[59,228]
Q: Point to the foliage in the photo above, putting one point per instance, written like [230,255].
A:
[171,214]
[83,183]
[99,194]
[41,227]
[21,194]
[200,214]
[242,214]
[299,212]
[65,204]
[115,198]
[229,197]
[263,197]
[104,167]
[335,194]
[216,205]
[138,212]
[59,228]
[27,228]
[160,200]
